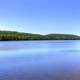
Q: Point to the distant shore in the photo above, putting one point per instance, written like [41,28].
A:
[19,36]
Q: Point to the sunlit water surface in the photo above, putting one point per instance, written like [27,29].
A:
[40,60]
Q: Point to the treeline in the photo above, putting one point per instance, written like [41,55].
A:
[12,35]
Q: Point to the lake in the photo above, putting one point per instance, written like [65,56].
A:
[40,60]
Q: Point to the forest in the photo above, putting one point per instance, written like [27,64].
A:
[14,35]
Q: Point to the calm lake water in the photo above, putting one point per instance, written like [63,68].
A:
[40,60]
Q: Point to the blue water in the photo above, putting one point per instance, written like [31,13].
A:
[40,60]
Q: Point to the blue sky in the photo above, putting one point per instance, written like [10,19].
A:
[40,16]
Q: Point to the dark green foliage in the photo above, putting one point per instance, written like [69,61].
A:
[62,37]
[12,35]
